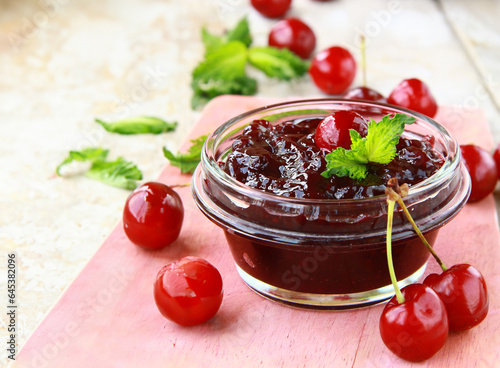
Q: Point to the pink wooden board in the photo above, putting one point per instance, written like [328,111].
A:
[108,318]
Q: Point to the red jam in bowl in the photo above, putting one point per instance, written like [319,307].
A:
[303,239]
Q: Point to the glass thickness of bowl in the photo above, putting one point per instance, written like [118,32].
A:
[323,253]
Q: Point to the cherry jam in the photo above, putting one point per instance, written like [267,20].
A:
[307,240]
[284,159]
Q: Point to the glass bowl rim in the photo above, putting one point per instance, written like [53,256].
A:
[452,158]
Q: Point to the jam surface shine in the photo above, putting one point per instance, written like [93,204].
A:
[284,159]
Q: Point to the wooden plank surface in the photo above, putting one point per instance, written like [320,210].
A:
[108,318]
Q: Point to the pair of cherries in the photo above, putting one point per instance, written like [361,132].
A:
[417,328]
[188,291]
[415,323]
[410,93]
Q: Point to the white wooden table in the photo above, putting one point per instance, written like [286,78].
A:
[65,62]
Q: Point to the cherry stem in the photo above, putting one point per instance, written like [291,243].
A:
[363,57]
[420,235]
[396,197]
[392,273]
[180,185]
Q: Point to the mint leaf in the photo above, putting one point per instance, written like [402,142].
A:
[90,154]
[342,162]
[188,161]
[211,41]
[205,91]
[241,32]
[119,173]
[138,125]
[382,137]
[379,146]
[222,72]
[277,63]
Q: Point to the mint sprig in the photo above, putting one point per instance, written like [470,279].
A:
[223,69]
[379,146]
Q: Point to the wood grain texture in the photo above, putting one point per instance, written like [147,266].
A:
[108,318]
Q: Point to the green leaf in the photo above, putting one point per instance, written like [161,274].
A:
[204,92]
[211,41]
[379,146]
[342,162]
[119,173]
[383,137]
[222,72]
[241,33]
[277,63]
[90,154]
[188,161]
[138,125]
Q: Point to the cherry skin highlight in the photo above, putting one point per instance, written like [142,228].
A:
[482,170]
[364,93]
[153,215]
[333,131]
[333,70]
[414,94]
[271,8]
[295,35]
[463,291]
[188,291]
[416,329]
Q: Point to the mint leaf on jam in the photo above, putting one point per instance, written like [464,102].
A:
[138,125]
[277,63]
[188,161]
[379,146]
[342,162]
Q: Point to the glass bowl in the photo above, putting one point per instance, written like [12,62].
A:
[326,253]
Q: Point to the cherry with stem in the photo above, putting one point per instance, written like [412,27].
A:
[364,92]
[461,287]
[414,323]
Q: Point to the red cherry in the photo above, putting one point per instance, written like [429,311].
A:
[189,291]
[295,35]
[414,94]
[496,157]
[333,131]
[333,70]
[482,170]
[152,216]
[416,329]
[364,93]
[463,291]
[271,8]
